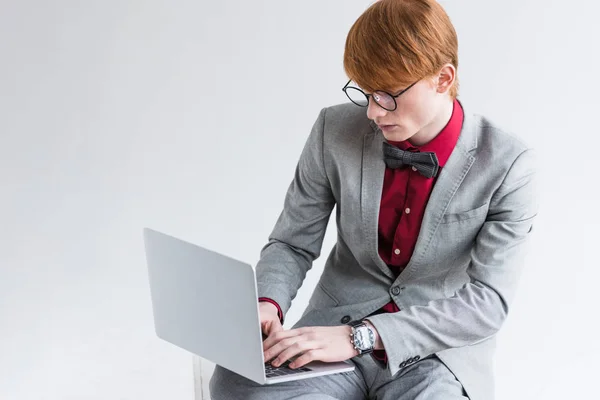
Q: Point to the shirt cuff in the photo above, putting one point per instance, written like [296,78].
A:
[279,313]
[380,358]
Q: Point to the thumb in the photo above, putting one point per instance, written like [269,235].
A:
[276,326]
[271,326]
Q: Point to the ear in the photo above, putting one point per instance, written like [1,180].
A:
[445,78]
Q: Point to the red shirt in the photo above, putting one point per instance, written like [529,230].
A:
[404,198]
[403,201]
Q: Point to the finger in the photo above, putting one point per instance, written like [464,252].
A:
[270,327]
[280,347]
[296,349]
[277,348]
[278,336]
[264,327]
[312,355]
[274,327]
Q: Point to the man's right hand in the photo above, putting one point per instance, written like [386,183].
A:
[269,320]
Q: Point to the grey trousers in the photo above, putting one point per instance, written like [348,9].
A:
[427,379]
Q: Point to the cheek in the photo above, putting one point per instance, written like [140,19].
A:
[416,112]
[409,115]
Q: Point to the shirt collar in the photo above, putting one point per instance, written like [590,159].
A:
[443,144]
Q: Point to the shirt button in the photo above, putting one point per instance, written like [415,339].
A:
[397,251]
[407,210]
[414,169]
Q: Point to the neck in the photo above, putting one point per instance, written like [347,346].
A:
[437,124]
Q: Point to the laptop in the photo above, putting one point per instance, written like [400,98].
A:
[207,303]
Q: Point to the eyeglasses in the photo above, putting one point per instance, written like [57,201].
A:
[384,99]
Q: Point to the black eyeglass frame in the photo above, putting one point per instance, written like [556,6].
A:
[369,95]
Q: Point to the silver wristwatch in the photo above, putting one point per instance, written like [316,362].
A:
[362,337]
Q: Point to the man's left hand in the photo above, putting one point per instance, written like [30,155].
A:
[323,343]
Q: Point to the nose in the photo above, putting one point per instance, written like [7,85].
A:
[374,110]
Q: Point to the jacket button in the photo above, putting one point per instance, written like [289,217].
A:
[417,358]
[395,290]
[346,319]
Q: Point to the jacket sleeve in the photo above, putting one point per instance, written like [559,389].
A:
[477,310]
[297,237]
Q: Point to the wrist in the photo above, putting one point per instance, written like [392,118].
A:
[270,308]
[278,312]
[355,351]
[267,305]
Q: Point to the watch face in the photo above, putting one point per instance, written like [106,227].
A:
[363,338]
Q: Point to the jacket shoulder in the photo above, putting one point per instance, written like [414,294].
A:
[346,118]
[497,144]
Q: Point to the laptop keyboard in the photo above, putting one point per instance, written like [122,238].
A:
[283,370]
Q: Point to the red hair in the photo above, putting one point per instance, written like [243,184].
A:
[397,42]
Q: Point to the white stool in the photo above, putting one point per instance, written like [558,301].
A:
[203,370]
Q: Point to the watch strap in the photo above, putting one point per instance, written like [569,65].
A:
[356,323]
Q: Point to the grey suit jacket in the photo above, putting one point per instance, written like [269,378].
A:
[457,288]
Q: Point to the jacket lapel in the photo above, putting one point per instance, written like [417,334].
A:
[373,170]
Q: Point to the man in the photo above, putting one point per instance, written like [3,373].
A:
[434,210]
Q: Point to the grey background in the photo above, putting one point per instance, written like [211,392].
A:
[189,117]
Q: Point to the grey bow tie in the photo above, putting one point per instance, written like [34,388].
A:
[426,163]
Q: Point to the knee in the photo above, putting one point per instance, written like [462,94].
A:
[227,385]
[216,385]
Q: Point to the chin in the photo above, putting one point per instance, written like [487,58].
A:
[397,136]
